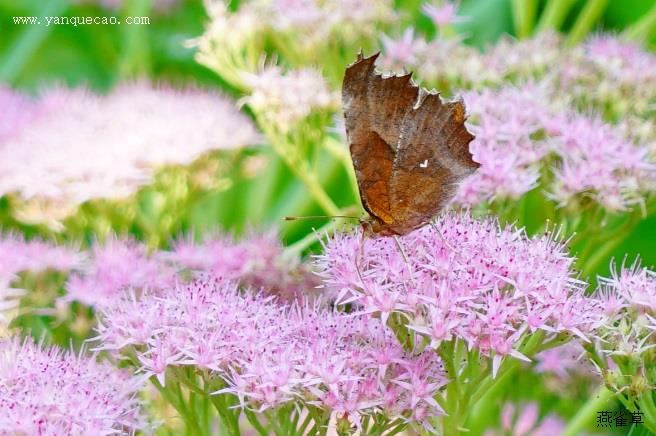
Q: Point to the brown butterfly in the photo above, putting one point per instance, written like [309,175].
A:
[410,149]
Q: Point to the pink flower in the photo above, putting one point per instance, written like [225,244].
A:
[257,260]
[48,391]
[114,267]
[399,54]
[517,134]
[113,144]
[525,422]
[17,112]
[271,354]
[465,280]
[444,14]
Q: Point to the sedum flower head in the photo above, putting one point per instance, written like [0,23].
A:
[84,146]
[517,135]
[113,267]
[257,261]
[270,354]
[464,279]
[46,391]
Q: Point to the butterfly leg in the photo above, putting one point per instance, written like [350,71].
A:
[360,257]
[444,241]
[397,241]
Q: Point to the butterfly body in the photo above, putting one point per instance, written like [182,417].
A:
[410,149]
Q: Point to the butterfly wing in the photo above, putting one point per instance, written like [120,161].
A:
[374,110]
[432,158]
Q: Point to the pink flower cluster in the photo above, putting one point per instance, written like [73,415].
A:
[464,279]
[112,267]
[517,133]
[505,124]
[271,354]
[46,391]
[83,146]
[256,261]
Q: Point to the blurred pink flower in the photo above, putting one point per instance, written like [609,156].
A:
[17,112]
[623,60]
[256,260]
[401,53]
[566,362]
[86,146]
[48,391]
[113,267]
[525,421]
[444,14]
[597,159]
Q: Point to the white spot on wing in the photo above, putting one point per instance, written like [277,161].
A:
[424,164]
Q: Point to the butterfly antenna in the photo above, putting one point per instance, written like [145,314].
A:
[318,217]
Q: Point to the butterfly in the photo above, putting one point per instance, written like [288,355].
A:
[410,149]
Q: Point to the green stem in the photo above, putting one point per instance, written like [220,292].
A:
[591,12]
[301,245]
[301,170]
[524,16]
[338,150]
[554,14]
[586,413]
[644,28]
[29,41]
[647,406]
[134,60]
